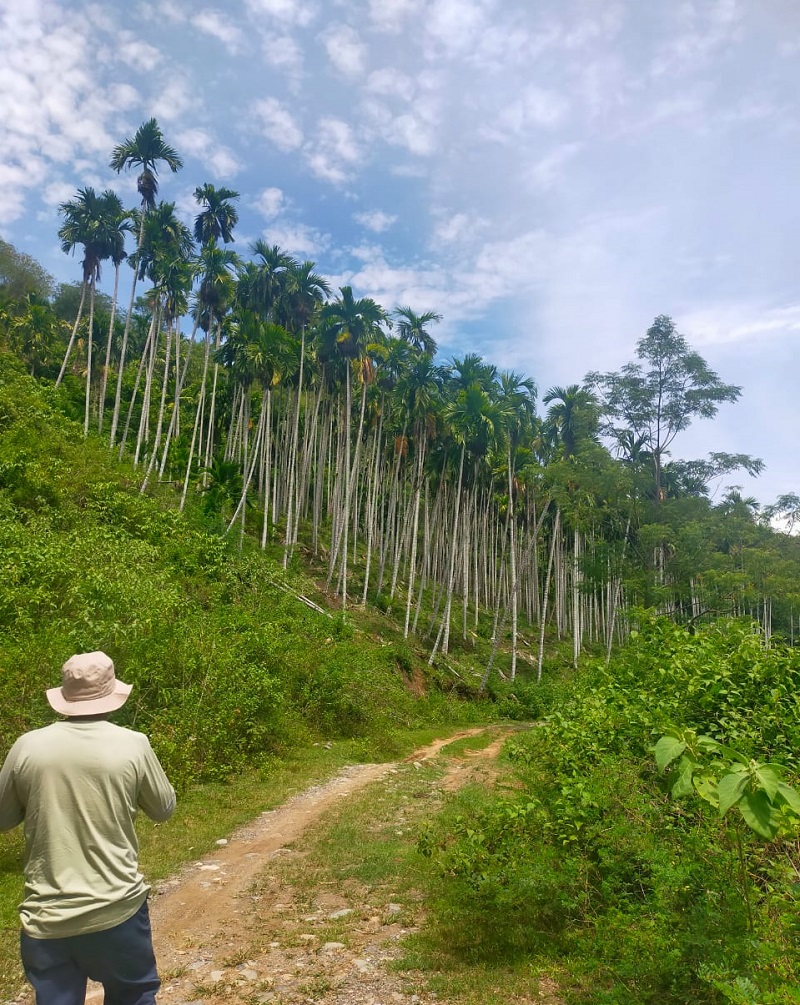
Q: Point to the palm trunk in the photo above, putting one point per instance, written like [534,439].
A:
[107,364]
[72,336]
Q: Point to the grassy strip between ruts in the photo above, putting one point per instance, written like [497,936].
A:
[205,813]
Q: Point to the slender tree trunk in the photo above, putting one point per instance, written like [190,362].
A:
[89,358]
[124,346]
[546,594]
[74,333]
[107,364]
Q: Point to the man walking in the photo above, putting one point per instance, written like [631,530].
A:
[77,785]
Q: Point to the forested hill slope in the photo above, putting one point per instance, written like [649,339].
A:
[227,662]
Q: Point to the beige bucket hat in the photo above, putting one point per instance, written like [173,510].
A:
[88,686]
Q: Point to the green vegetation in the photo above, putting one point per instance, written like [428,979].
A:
[592,865]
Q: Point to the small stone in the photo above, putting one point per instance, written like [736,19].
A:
[306,937]
[394,908]
[332,947]
[341,913]
[274,945]
[222,842]
[209,868]
[249,975]
[216,975]
[362,966]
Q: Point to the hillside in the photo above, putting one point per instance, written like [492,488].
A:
[227,659]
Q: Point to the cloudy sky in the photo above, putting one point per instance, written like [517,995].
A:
[548,174]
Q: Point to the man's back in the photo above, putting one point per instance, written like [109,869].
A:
[78,785]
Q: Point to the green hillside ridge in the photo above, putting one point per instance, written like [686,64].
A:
[228,664]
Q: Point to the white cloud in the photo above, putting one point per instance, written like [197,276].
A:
[390,82]
[297,239]
[173,97]
[704,29]
[547,171]
[57,192]
[137,53]
[165,10]
[376,220]
[334,152]
[534,108]
[456,26]
[459,227]
[392,15]
[741,323]
[201,144]
[218,25]
[284,53]
[278,125]
[345,50]
[294,12]
[270,202]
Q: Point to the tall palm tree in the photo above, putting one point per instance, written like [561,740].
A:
[262,286]
[146,150]
[517,401]
[97,223]
[119,226]
[572,415]
[81,227]
[218,217]
[348,325]
[165,243]
[475,423]
[215,293]
[305,292]
[413,328]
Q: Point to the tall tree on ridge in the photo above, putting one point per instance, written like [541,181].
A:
[412,328]
[118,226]
[145,150]
[305,292]
[218,217]
[348,326]
[93,222]
[659,397]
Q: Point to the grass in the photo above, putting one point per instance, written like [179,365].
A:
[205,813]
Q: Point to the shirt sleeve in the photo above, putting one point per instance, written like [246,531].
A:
[12,811]
[156,795]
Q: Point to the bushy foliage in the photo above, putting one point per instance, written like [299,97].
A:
[590,860]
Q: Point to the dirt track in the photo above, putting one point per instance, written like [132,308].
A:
[202,918]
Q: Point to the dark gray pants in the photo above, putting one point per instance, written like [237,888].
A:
[120,958]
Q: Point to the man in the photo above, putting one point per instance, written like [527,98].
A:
[77,785]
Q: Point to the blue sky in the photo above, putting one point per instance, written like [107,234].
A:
[548,174]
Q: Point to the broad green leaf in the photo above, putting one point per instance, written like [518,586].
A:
[768,780]
[730,789]
[731,754]
[667,749]
[682,779]
[789,796]
[759,814]
[706,788]
[708,744]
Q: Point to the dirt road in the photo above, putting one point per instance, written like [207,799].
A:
[204,919]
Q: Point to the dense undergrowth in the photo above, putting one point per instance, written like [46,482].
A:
[228,664]
[590,865]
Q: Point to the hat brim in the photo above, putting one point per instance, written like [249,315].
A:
[95,706]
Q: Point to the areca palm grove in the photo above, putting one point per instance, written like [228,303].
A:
[432,489]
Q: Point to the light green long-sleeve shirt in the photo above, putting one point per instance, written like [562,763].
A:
[77,786]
